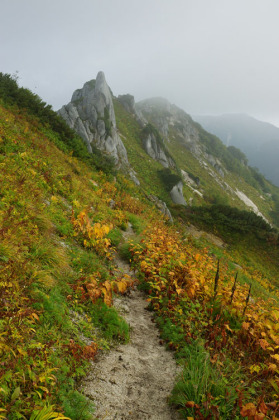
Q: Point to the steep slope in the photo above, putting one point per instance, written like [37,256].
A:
[188,166]
[257,139]
[210,171]
[60,219]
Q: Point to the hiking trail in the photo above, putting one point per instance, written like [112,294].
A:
[134,380]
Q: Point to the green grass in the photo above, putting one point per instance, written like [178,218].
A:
[145,167]
[112,325]
[205,384]
[115,236]
[137,223]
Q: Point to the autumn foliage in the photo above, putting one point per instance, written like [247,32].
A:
[57,218]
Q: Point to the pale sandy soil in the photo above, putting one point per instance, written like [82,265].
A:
[133,381]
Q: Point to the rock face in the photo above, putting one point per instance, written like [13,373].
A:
[177,194]
[154,150]
[91,114]
[173,121]
[150,141]
[161,205]
[167,117]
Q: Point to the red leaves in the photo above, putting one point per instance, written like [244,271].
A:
[82,353]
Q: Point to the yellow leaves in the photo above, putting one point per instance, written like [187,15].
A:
[21,351]
[179,291]
[275,314]
[35,316]
[54,199]
[274,338]
[275,357]
[76,203]
[272,367]
[255,368]
[107,292]
[94,235]
[191,291]
[121,286]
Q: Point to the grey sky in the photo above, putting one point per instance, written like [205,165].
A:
[206,56]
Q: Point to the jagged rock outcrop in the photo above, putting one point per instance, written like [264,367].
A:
[154,146]
[189,180]
[91,114]
[159,109]
[217,165]
[177,194]
[171,120]
[161,205]
[153,149]
[167,117]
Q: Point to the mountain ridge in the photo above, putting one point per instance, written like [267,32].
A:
[259,140]
[161,129]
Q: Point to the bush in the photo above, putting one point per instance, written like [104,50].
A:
[168,178]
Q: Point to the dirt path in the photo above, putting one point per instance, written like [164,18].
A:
[134,380]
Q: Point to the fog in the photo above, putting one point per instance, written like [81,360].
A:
[206,56]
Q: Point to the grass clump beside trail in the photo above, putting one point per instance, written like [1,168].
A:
[201,379]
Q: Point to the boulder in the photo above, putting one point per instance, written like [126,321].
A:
[177,194]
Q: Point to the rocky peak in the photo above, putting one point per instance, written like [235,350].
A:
[91,114]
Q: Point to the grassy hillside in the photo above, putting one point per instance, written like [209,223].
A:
[194,150]
[259,140]
[147,169]
[60,218]
[57,276]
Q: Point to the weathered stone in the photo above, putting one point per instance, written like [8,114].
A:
[177,194]
[91,114]
[154,150]
[161,205]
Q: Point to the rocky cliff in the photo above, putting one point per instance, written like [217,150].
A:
[203,166]
[91,114]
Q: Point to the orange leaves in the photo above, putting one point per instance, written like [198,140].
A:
[263,343]
[106,289]
[246,326]
[250,411]
[94,235]
[122,284]
[94,288]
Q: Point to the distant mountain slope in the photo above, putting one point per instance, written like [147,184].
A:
[257,139]
[171,156]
